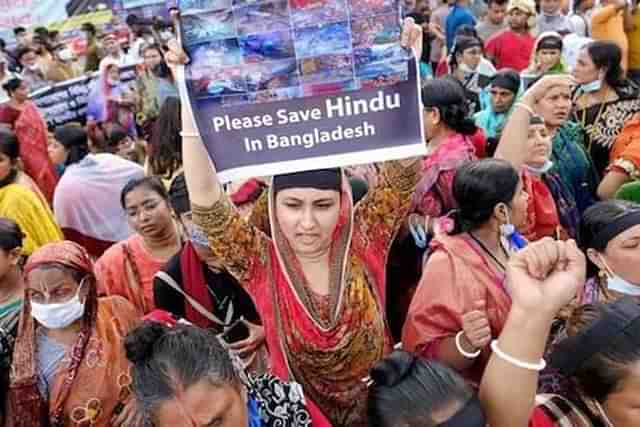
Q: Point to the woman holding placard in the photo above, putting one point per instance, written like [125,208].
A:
[319,281]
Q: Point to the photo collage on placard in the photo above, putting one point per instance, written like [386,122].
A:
[266,50]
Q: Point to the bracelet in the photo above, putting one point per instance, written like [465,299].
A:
[462,350]
[526,107]
[189,134]
[517,362]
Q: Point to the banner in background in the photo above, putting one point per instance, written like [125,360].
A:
[67,101]
[288,86]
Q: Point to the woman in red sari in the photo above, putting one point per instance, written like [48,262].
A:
[319,281]
[461,301]
[69,366]
[27,123]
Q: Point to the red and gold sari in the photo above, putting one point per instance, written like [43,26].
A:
[31,131]
[92,381]
[326,343]
[454,278]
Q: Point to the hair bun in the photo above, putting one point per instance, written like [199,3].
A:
[392,369]
[139,342]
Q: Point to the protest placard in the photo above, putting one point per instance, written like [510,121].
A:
[66,102]
[279,86]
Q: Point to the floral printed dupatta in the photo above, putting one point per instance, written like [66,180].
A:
[330,342]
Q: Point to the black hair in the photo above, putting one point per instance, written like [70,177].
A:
[594,219]
[179,195]
[599,216]
[460,44]
[41,31]
[19,30]
[3,44]
[604,372]
[12,85]
[166,360]
[448,97]
[466,30]
[9,145]
[53,34]
[478,187]
[500,2]
[165,154]
[152,183]
[11,235]
[89,28]
[407,390]
[74,139]
[23,51]
[607,55]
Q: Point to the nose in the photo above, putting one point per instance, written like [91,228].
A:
[308,221]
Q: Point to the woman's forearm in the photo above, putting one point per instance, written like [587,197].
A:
[512,145]
[509,403]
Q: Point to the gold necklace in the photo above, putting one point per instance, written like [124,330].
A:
[583,120]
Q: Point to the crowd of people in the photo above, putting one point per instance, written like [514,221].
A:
[490,282]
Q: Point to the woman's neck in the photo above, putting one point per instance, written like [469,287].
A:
[162,244]
[440,136]
[66,336]
[11,287]
[490,238]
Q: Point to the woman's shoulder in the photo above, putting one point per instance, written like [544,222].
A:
[280,403]
[117,250]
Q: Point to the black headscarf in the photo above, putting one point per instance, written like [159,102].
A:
[321,179]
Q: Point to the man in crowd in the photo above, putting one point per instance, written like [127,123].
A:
[114,52]
[459,15]
[32,73]
[581,17]
[512,48]
[552,18]
[92,57]
[495,21]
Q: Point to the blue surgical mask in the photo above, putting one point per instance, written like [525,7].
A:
[591,87]
[542,169]
[511,236]
[618,284]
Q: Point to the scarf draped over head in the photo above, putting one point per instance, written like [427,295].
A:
[25,401]
[546,40]
[526,6]
[488,119]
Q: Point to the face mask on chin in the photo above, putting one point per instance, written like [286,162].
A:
[591,87]
[59,316]
[540,170]
[618,284]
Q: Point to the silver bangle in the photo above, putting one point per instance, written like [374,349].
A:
[517,362]
[189,134]
[462,350]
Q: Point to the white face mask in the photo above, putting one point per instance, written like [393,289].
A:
[618,284]
[58,316]
[65,55]
[34,67]
[542,169]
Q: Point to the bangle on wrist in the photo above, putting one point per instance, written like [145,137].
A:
[462,351]
[517,362]
[525,107]
[189,134]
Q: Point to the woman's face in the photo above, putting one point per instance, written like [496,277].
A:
[471,57]
[622,406]
[308,217]
[539,145]
[53,286]
[152,58]
[58,153]
[622,255]
[148,213]
[205,405]
[21,94]
[431,122]
[113,74]
[555,106]
[6,166]
[548,58]
[501,99]
[518,211]
[585,70]
[8,261]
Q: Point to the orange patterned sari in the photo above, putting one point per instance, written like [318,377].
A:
[326,343]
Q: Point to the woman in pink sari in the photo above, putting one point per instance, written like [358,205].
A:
[27,123]
[461,301]
[112,101]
